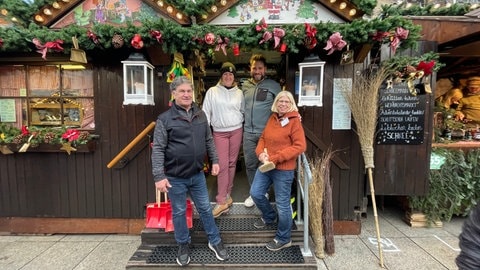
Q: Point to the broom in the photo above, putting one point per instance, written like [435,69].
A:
[362,99]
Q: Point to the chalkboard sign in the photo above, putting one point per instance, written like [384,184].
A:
[401,116]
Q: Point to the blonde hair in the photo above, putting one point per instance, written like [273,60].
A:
[287,94]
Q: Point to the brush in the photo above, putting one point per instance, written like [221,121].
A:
[267,165]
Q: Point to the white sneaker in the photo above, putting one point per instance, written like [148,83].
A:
[249,201]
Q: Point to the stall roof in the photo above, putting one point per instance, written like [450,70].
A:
[458,39]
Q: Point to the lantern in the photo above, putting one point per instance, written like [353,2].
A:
[137,80]
[311,82]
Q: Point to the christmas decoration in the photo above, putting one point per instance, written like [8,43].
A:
[117,41]
[283,48]
[236,49]
[278,34]
[395,37]
[262,25]
[310,36]
[50,45]
[222,44]
[1,43]
[335,43]
[209,38]
[68,148]
[157,35]
[177,69]
[137,41]
[92,36]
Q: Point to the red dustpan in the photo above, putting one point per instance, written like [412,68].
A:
[169,227]
[153,213]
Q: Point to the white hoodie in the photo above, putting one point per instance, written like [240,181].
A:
[224,108]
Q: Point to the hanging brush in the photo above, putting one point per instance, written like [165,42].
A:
[267,165]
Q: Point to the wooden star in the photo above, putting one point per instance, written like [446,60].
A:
[5,150]
[68,148]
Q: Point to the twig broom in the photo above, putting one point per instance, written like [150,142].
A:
[362,99]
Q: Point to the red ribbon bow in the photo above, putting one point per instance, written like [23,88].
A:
[92,36]
[267,35]
[335,43]
[426,67]
[278,34]
[310,39]
[261,25]
[43,48]
[222,44]
[157,35]
[400,34]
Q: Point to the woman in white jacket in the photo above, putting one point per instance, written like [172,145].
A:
[224,106]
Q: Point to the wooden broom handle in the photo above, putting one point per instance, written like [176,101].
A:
[131,145]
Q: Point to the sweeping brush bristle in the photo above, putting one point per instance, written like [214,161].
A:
[267,166]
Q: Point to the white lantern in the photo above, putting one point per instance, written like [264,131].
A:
[311,82]
[137,80]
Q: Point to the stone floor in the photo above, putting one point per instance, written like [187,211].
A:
[403,248]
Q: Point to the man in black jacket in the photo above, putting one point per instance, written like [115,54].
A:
[182,138]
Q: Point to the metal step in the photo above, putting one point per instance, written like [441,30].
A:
[245,243]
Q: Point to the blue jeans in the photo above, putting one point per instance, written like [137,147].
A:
[196,186]
[282,185]
[250,141]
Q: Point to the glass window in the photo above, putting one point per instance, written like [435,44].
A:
[49,95]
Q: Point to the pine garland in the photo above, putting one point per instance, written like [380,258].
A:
[178,38]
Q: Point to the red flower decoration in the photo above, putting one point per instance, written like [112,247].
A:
[71,135]
[427,68]
[209,38]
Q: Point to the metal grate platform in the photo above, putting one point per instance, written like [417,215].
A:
[201,254]
[236,224]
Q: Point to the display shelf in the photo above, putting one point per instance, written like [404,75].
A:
[56,114]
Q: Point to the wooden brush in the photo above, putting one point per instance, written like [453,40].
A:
[267,165]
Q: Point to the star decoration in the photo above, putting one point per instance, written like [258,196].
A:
[68,148]
[389,83]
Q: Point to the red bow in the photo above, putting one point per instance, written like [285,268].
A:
[426,67]
[310,39]
[157,35]
[261,25]
[25,131]
[92,36]
[267,35]
[222,44]
[400,34]
[335,42]
[43,48]
[278,34]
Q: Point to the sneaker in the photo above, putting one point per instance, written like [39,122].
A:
[219,209]
[260,223]
[249,201]
[220,251]
[276,246]
[183,255]
[229,200]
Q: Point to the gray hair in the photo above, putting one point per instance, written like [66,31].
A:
[287,94]
[179,81]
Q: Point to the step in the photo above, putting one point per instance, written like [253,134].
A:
[245,243]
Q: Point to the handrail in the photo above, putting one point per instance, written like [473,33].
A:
[129,147]
[302,192]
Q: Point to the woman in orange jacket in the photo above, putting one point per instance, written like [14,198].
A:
[281,142]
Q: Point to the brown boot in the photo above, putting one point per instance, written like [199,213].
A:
[229,200]
[220,209]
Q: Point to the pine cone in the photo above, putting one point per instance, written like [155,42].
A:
[49,137]
[83,136]
[18,139]
[117,41]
